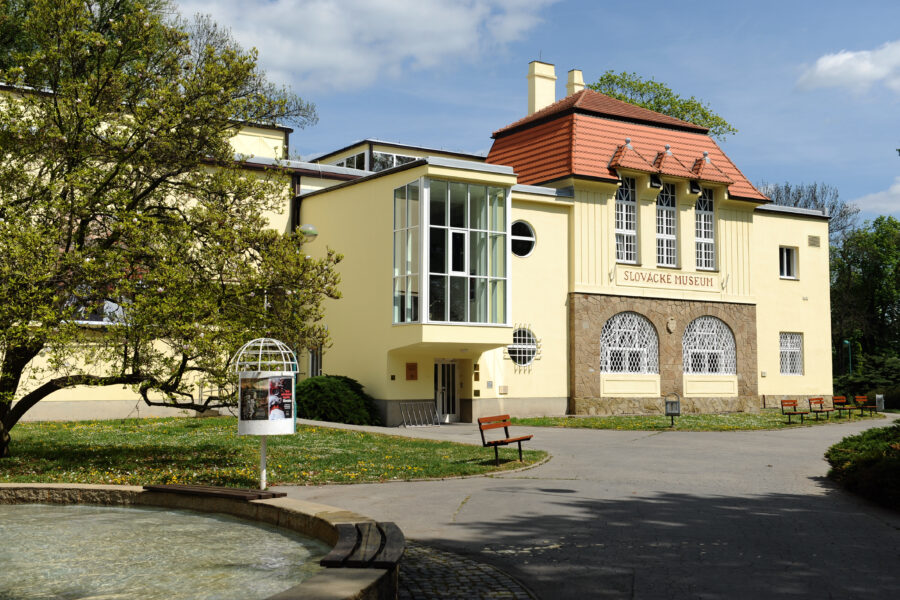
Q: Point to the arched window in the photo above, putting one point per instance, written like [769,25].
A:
[628,344]
[708,347]
[524,347]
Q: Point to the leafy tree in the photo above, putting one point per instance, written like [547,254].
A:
[120,198]
[656,96]
[818,196]
[865,297]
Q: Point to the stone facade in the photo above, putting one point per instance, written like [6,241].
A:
[589,312]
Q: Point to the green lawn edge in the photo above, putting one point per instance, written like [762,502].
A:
[767,419]
[208,451]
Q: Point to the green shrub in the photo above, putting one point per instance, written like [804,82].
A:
[336,399]
[869,464]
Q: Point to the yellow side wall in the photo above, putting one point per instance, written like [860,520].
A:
[795,306]
[260,142]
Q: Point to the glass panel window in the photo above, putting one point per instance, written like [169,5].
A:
[382,161]
[522,238]
[666,236]
[315,361]
[464,246]
[629,344]
[787,262]
[708,347]
[791,353]
[406,254]
[626,222]
[705,231]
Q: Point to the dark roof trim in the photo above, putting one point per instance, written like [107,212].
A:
[576,110]
[372,142]
[538,190]
[398,169]
[579,178]
[296,168]
[794,211]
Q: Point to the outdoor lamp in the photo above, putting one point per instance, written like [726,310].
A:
[309,232]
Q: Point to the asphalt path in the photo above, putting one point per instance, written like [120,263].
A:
[675,515]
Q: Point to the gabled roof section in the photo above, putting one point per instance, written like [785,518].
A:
[573,138]
[594,103]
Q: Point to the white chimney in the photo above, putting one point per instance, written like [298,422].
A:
[541,85]
[575,83]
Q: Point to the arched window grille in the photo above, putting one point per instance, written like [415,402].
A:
[628,344]
[708,347]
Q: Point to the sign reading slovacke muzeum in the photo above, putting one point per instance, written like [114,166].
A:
[671,280]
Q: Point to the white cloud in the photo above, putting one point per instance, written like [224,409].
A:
[885,202]
[338,45]
[856,70]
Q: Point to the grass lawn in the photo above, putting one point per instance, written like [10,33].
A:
[767,419]
[210,452]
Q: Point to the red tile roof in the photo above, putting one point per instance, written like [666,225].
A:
[589,101]
[559,142]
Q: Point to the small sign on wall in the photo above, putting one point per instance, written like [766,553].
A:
[412,371]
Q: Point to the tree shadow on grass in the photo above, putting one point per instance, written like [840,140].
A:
[688,546]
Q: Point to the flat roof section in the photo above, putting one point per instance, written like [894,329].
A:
[465,155]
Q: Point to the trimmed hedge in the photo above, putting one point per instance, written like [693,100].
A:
[868,464]
[337,399]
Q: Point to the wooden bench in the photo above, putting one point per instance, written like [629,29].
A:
[366,545]
[495,422]
[817,407]
[840,404]
[790,409]
[863,404]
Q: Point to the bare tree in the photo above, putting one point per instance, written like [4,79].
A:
[818,196]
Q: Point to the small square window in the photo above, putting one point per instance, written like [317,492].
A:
[787,262]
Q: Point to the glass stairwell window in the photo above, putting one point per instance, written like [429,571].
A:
[406,254]
[467,253]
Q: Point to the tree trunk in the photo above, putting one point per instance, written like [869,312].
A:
[15,359]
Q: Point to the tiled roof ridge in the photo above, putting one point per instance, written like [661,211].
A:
[666,156]
[705,169]
[622,152]
[614,109]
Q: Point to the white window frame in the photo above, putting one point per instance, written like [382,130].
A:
[626,222]
[705,231]
[629,338]
[314,361]
[787,262]
[790,345]
[667,227]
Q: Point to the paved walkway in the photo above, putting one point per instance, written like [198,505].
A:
[671,515]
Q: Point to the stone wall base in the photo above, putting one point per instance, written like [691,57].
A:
[774,400]
[605,407]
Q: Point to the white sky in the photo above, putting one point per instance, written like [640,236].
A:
[812,86]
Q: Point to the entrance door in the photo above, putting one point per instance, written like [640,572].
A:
[445,392]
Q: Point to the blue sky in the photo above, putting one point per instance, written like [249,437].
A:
[812,86]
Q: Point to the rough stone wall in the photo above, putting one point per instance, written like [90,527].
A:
[589,312]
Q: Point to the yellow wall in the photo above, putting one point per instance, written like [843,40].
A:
[595,269]
[799,305]
[260,142]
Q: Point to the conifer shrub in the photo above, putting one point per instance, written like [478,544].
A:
[337,399]
[868,464]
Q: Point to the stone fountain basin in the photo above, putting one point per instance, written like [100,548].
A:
[317,521]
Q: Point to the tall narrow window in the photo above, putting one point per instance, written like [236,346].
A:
[467,253]
[791,353]
[787,262]
[666,240]
[705,231]
[406,253]
[626,222]
[708,347]
[315,361]
[629,344]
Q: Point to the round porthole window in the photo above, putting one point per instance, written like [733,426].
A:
[522,238]
[524,347]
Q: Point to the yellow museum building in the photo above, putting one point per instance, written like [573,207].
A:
[599,258]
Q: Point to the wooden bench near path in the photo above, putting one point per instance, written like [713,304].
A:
[496,422]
